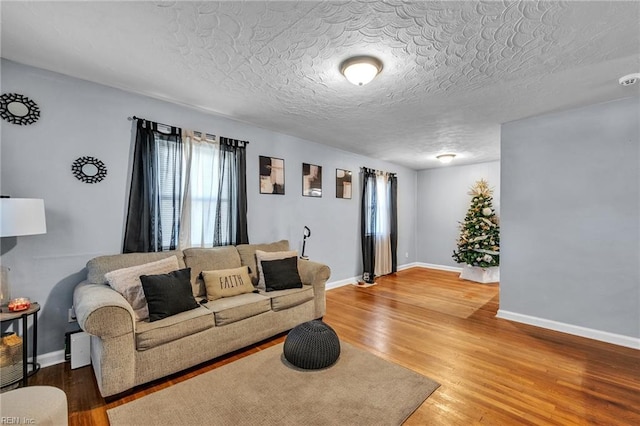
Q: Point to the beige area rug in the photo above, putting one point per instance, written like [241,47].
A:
[263,389]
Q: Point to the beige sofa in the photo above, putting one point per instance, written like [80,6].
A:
[126,353]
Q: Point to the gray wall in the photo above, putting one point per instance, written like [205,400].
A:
[443,201]
[570,217]
[80,118]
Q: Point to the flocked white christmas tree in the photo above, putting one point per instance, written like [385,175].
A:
[479,240]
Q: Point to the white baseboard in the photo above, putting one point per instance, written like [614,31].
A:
[438,267]
[341,283]
[603,336]
[408,266]
[50,358]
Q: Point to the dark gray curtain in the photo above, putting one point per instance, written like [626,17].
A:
[156,190]
[368,224]
[393,216]
[231,206]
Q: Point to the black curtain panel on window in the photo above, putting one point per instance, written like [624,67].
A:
[231,205]
[155,197]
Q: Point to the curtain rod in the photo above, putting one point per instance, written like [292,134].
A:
[144,119]
[377,171]
[167,125]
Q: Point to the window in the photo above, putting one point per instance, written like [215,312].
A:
[169,167]
[202,198]
[187,190]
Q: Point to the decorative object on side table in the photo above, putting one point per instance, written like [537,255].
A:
[479,240]
[18,109]
[312,345]
[19,304]
[89,169]
[10,359]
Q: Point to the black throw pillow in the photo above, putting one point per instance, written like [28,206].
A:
[168,294]
[281,274]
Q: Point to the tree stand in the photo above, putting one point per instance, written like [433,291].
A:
[480,275]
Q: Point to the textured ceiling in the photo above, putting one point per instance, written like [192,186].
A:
[453,71]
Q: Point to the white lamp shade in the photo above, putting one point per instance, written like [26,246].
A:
[22,216]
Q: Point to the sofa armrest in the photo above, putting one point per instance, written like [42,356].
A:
[102,311]
[315,274]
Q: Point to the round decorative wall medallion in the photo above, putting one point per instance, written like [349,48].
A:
[18,109]
[89,169]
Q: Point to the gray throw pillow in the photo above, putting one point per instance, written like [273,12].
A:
[126,281]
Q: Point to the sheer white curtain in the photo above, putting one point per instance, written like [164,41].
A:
[201,167]
[383,257]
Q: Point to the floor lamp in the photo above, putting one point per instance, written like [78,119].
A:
[18,217]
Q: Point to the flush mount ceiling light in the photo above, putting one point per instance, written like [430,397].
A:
[445,158]
[360,70]
[629,79]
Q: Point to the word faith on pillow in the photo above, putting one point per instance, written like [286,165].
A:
[231,281]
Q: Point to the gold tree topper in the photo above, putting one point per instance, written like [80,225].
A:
[481,189]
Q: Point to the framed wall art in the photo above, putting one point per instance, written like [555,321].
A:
[343,184]
[311,180]
[271,175]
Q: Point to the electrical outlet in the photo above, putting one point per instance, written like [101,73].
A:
[406,255]
[71,315]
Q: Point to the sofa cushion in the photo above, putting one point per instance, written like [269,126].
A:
[126,281]
[248,255]
[168,294]
[227,282]
[285,299]
[236,308]
[152,334]
[209,259]
[262,256]
[99,266]
[281,274]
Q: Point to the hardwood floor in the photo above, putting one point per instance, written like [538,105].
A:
[491,371]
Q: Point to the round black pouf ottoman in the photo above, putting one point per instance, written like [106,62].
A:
[312,345]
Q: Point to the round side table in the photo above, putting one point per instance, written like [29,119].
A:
[8,316]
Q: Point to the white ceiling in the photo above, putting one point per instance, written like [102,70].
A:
[453,71]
